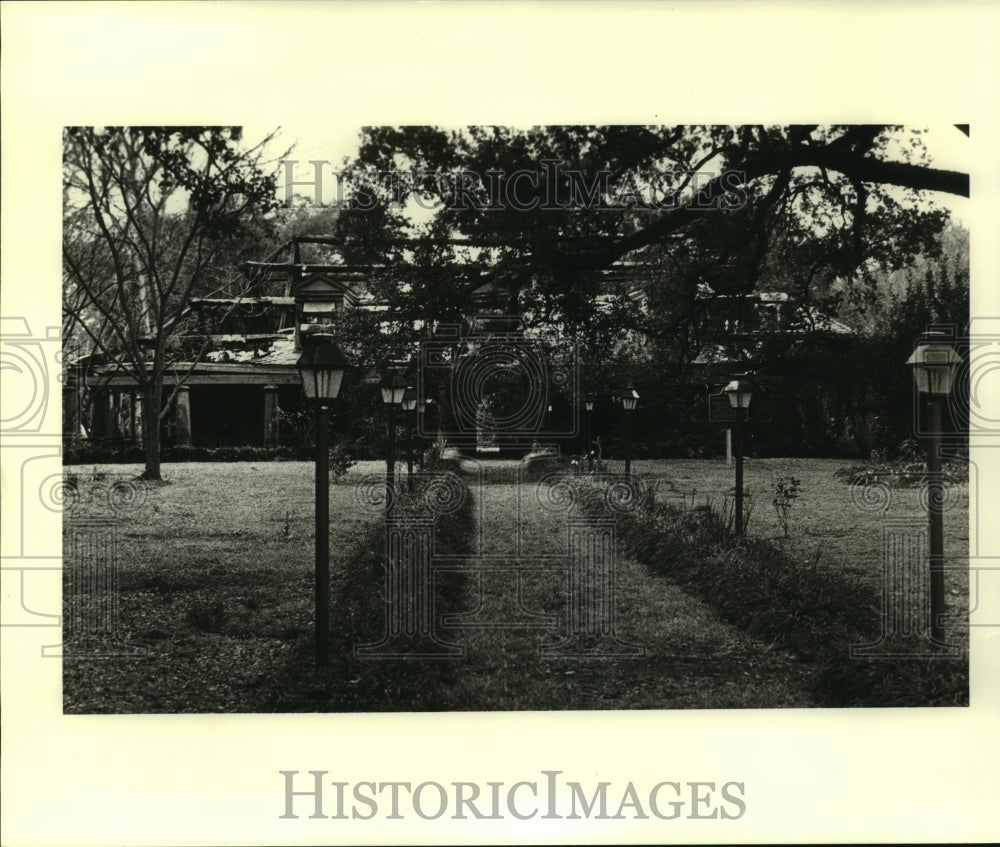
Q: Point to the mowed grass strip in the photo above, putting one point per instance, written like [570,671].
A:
[691,659]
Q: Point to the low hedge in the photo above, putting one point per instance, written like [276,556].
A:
[818,615]
[354,684]
[91,453]
[79,452]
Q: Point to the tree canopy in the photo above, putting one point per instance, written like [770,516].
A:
[625,236]
[546,211]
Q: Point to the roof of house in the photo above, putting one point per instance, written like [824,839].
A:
[278,349]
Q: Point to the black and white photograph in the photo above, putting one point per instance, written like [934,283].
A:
[557,417]
[497,423]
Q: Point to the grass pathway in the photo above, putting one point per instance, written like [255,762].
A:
[691,658]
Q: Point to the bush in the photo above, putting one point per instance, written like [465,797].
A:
[442,459]
[907,469]
[82,452]
[785,492]
[340,461]
[817,614]
[539,463]
[359,615]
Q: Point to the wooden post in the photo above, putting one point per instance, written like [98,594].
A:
[101,414]
[270,415]
[71,410]
[182,416]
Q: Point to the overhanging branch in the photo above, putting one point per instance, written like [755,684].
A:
[855,166]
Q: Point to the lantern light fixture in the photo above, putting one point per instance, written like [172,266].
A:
[393,387]
[630,399]
[321,368]
[934,363]
[739,390]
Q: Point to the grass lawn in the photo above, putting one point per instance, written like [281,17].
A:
[216,599]
[216,582]
[826,528]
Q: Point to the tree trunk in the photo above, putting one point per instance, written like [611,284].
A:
[152,398]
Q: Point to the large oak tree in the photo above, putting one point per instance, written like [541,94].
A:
[551,208]
[546,215]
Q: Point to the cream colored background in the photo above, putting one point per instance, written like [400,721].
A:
[823,775]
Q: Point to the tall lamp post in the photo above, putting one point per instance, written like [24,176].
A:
[588,407]
[739,391]
[321,368]
[422,404]
[616,403]
[409,405]
[393,386]
[934,362]
[630,399]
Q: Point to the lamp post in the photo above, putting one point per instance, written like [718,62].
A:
[739,391]
[409,405]
[630,399]
[934,362]
[321,368]
[588,407]
[422,404]
[616,404]
[393,386]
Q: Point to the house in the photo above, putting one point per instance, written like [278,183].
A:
[230,395]
[737,327]
[236,358]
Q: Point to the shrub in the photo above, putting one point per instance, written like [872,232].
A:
[785,492]
[906,470]
[540,462]
[817,614]
[340,461]
[443,459]
[79,452]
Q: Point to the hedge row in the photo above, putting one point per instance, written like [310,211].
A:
[354,684]
[816,614]
[80,452]
[94,452]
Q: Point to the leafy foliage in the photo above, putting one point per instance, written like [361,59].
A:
[820,214]
[786,491]
[591,194]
